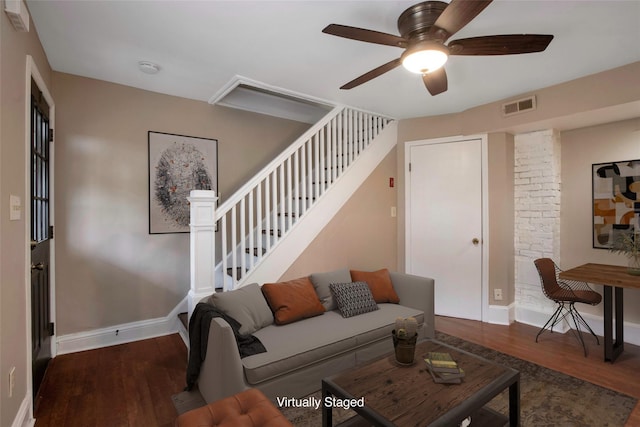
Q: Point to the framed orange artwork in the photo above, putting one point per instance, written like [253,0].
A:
[616,200]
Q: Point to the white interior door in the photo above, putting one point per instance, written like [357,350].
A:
[444,223]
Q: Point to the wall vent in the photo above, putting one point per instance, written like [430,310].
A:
[519,106]
[18,14]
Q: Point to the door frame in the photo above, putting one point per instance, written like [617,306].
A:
[484,165]
[32,72]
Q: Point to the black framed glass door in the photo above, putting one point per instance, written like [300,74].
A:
[41,234]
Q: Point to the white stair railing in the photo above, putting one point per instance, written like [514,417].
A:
[263,211]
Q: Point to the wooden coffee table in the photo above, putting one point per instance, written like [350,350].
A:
[396,395]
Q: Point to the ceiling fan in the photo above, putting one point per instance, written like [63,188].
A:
[424,29]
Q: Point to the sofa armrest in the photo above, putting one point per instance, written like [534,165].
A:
[221,373]
[416,292]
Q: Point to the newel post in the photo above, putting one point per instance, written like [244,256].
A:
[202,245]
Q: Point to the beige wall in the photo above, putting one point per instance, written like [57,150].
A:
[580,149]
[595,99]
[109,269]
[14,47]
[501,216]
[363,235]
[586,101]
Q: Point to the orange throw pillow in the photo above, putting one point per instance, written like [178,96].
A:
[380,284]
[292,300]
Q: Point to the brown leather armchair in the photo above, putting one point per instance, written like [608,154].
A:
[249,408]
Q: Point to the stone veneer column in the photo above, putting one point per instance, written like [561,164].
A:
[537,217]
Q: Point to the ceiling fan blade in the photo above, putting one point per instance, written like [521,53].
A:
[364,35]
[436,82]
[507,44]
[458,14]
[372,74]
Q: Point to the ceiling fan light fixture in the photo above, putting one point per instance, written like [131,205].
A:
[425,58]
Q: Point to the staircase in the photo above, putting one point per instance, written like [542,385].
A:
[298,191]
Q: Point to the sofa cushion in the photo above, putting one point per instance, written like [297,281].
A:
[321,282]
[292,300]
[246,305]
[380,284]
[353,298]
[301,344]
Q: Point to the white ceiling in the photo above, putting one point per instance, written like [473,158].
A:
[201,45]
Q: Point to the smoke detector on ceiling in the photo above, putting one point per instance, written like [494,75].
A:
[148,67]
[519,106]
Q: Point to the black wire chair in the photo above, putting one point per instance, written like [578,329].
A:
[565,293]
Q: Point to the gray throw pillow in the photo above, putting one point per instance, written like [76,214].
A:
[246,305]
[353,298]
[321,282]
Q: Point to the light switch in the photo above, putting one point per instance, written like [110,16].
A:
[15,208]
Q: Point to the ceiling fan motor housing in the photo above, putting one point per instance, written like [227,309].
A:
[415,22]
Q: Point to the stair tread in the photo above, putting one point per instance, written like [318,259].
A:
[314,183]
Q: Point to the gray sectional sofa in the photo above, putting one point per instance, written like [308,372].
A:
[299,354]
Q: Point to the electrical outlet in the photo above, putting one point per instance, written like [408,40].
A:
[12,380]
[497,294]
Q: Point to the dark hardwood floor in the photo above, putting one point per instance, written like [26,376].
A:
[561,352]
[120,386]
[131,384]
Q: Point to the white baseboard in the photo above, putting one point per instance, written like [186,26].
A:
[23,417]
[185,336]
[501,314]
[537,318]
[529,316]
[121,334]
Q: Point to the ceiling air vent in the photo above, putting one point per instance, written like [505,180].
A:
[519,106]
[250,95]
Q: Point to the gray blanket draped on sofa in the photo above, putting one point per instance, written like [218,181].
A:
[198,336]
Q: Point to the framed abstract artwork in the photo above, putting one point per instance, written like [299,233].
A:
[616,200]
[177,165]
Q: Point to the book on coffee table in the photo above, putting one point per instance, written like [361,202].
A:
[439,369]
[447,377]
[443,368]
[442,362]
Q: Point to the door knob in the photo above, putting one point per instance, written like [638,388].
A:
[475,241]
[38,266]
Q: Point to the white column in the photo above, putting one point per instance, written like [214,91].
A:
[537,216]
[203,243]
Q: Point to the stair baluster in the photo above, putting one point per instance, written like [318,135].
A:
[258,216]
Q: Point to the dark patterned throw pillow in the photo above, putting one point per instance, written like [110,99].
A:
[353,298]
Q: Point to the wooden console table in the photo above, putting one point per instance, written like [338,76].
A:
[609,276]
